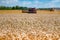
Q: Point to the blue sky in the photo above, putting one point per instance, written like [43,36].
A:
[31,3]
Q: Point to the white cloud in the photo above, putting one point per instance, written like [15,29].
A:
[26,2]
[35,3]
[55,0]
[53,3]
[9,1]
[31,4]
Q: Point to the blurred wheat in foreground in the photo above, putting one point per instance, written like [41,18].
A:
[29,27]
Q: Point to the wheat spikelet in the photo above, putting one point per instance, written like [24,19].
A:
[29,27]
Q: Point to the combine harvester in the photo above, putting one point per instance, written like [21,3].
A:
[52,9]
[30,10]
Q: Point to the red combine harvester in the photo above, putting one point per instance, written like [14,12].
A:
[30,10]
[52,9]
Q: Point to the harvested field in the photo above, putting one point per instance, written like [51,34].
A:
[48,12]
[29,27]
[20,11]
[10,11]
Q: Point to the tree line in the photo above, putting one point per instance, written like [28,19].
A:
[13,8]
[19,8]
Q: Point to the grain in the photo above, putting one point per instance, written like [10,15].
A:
[29,26]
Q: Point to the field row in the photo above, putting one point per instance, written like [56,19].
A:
[20,11]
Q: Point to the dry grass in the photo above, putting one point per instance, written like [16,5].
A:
[48,12]
[20,11]
[29,27]
[10,11]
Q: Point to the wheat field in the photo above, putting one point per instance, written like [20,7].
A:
[29,26]
[38,12]
[10,11]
